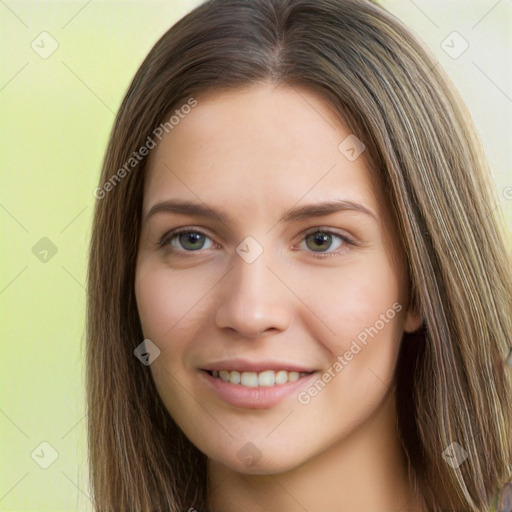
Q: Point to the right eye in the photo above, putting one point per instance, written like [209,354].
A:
[186,240]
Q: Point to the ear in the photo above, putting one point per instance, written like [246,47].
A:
[413,321]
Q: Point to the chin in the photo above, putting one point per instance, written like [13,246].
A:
[275,464]
[254,455]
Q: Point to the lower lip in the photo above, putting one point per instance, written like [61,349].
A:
[253,398]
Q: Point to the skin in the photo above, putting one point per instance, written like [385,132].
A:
[255,153]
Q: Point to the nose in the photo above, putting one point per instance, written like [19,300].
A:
[253,300]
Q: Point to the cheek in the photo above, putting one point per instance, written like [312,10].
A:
[362,306]
[370,358]
[354,298]
[166,302]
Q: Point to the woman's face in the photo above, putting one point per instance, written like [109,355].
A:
[280,306]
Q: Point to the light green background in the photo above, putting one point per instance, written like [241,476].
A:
[56,114]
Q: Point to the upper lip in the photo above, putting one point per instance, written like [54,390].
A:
[244,365]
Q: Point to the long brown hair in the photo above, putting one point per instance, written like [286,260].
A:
[452,384]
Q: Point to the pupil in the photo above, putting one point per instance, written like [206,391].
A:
[192,239]
[321,239]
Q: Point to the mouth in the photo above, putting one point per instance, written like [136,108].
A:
[255,390]
[266,378]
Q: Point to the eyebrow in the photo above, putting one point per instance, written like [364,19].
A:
[292,215]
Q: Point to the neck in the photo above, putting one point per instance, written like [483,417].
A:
[365,471]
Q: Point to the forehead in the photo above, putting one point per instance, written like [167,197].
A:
[263,147]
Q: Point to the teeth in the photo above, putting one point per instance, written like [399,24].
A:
[249,379]
[266,378]
[293,376]
[281,377]
[224,375]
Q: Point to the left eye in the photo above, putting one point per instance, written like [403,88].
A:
[324,241]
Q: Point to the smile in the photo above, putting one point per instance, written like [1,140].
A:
[265,378]
[255,390]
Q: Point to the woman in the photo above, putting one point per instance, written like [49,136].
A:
[245,366]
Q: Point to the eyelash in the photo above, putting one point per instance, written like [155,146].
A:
[168,237]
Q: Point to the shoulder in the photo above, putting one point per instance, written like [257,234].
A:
[503,499]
